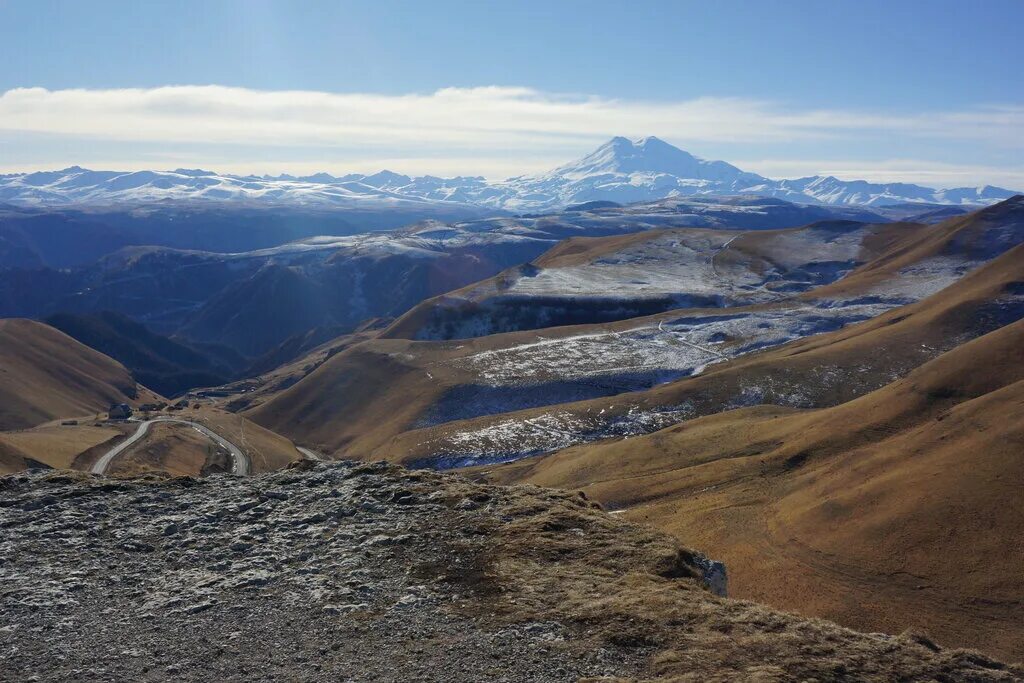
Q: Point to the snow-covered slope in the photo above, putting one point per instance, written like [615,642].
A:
[831,190]
[621,170]
[622,277]
[81,186]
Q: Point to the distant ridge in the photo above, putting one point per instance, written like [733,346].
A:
[621,170]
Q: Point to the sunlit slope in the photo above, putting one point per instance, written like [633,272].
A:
[12,459]
[352,401]
[506,396]
[925,254]
[817,371]
[591,280]
[64,446]
[896,509]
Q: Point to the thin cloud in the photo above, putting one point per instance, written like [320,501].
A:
[503,130]
[459,116]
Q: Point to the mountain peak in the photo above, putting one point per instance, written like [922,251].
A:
[386,178]
[651,141]
[649,156]
[193,172]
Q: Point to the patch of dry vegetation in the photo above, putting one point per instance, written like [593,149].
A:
[175,449]
[555,557]
[60,446]
[267,450]
[11,459]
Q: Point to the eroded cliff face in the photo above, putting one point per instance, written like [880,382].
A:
[369,572]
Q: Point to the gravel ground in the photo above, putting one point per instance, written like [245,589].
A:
[348,572]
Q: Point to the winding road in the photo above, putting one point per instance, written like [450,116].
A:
[240,463]
[309,454]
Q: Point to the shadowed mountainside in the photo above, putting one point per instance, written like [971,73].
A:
[168,366]
[603,279]
[255,299]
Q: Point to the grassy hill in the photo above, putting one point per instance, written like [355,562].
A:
[895,508]
[45,374]
[415,401]
[584,280]
[874,464]
[12,459]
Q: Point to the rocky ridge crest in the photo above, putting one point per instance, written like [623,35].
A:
[363,572]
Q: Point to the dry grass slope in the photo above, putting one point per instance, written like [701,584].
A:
[45,374]
[12,459]
[896,509]
[61,446]
[371,401]
[174,449]
[822,370]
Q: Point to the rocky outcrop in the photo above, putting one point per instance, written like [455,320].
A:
[368,572]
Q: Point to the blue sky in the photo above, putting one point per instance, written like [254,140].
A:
[921,91]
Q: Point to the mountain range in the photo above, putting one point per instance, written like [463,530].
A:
[621,171]
[252,300]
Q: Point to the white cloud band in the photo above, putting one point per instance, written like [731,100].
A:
[494,124]
[456,115]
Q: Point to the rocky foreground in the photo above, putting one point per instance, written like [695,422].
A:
[348,572]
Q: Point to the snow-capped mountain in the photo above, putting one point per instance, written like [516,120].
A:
[77,185]
[621,170]
[831,190]
[650,156]
[624,171]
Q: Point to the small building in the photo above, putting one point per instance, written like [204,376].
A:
[119,411]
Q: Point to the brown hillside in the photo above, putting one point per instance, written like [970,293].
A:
[45,374]
[379,398]
[886,252]
[12,459]
[347,400]
[172,448]
[975,234]
[267,451]
[818,371]
[729,256]
[897,509]
[62,446]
